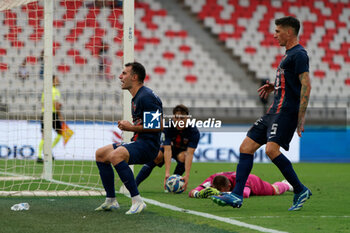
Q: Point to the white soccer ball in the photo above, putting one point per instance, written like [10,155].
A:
[175,184]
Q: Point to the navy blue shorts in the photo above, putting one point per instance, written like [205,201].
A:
[140,151]
[278,128]
[174,153]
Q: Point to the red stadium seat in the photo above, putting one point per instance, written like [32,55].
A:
[139,47]
[188,63]
[319,74]
[3,67]
[347,81]
[17,44]
[159,70]
[58,23]
[185,48]
[191,78]
[73,52]
[10,18]
[147,78]
[334,66]
[32,60]
[79,60]
[55,45]
[37,35]
[63,68]
[119,53]
[168,55]
[250,50]
[3,52]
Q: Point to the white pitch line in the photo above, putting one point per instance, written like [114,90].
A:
[303,216]
[14,176]
[210,216]
[197,213]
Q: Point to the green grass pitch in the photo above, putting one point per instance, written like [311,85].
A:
[326,211]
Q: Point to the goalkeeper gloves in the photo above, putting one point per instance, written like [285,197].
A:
[207,192]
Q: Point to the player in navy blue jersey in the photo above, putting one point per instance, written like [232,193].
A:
[287,113]
[145,142]
[179,143]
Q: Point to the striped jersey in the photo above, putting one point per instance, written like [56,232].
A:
[287,83]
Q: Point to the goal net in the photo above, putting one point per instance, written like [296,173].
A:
[80,43]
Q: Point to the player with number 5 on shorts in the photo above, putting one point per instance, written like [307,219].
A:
[286,114]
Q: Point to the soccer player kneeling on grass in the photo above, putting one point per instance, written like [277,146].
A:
[221,182]
[145,142]
[180,143]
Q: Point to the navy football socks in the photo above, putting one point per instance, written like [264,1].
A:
[285,166]
[179,169]
[127,177]
[145,172]
[244,167]
[107,177]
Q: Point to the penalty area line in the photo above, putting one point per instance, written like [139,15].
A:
[211,216]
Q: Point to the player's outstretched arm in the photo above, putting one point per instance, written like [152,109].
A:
[188,164]
[167,162]
[304,100]
[265,90]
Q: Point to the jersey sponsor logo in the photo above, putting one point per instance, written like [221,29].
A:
[152,120]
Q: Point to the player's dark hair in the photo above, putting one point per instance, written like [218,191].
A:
[181,108]
[289,21]
[220,182]
[138,69]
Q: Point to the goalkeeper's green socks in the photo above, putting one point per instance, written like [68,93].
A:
[41,145]
[40,149]
[56,140]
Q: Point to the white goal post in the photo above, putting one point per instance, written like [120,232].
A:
[75,35]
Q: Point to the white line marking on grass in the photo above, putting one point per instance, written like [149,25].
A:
[60,193]
[210,216]
[9,178]
[157,203]
[249,217]
[74,185]
[14,176]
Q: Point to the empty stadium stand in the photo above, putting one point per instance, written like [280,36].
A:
[178,67]
[247,26]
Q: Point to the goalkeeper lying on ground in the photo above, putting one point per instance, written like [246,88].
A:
[225,182]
